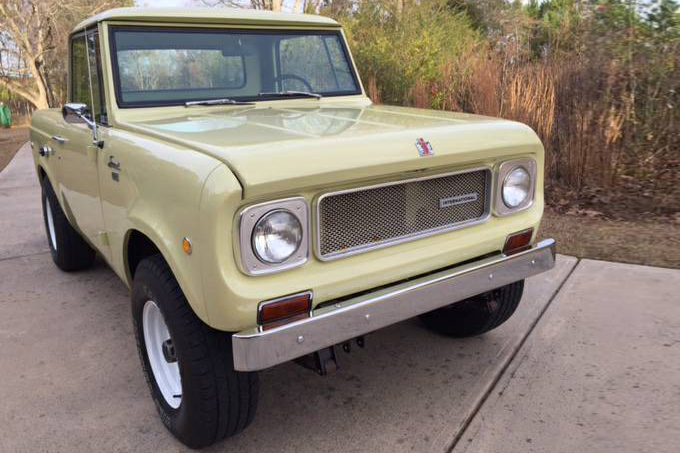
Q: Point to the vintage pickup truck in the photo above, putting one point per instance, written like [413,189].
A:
[229,167]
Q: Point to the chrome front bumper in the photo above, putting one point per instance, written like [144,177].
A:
[256,349]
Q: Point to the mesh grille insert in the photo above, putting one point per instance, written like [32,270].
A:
[374,216]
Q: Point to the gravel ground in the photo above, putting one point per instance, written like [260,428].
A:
[10,141]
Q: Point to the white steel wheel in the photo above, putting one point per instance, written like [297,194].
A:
[161,354]
[69,250]
[217,400]
[50,224]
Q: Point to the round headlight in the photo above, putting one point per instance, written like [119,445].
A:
[277,236]
[516,187]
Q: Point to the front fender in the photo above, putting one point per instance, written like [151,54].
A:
[157,192]
[179,263]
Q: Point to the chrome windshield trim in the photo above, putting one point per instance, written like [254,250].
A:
[255,349]
[410,237]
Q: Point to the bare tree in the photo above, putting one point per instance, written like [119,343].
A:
[33,35]
[271,5]
[295,6]
[227,3]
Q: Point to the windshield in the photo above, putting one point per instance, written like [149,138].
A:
[169,66]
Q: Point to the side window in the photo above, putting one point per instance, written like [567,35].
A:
[80,88]
[82,54]
[95,66]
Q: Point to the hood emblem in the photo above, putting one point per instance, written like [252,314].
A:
[424,148]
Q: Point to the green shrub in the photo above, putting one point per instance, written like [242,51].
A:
[397,51]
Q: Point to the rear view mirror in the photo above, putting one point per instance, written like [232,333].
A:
[232,52]
[234,46]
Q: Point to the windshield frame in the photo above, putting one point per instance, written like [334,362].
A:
[112,29]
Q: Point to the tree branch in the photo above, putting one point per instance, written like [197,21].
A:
[21,90]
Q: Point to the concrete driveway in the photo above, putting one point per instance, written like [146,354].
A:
[590,362]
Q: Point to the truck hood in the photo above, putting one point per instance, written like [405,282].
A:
[286,146]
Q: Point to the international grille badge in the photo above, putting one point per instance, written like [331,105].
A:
[424,148]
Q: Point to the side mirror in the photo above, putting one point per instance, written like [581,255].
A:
[77,113]
[80,113]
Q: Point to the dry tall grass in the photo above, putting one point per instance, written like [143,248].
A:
[600,84]
[583,111]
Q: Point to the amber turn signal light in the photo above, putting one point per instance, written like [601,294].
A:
[186,246]
[518,242]
[286,309]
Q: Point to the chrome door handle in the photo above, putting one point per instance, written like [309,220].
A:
[114,163]
[59,139]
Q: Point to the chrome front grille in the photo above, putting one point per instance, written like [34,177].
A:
[355,220]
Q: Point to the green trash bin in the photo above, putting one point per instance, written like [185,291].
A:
[5,116]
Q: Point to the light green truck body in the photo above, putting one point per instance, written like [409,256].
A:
[188,172]
[229,167]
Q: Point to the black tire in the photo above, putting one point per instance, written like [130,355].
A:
[476,315]
[216,401]
[69,250]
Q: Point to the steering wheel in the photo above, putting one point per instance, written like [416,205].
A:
[282,77]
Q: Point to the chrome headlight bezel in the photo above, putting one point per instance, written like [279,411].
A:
[504,170]
[248,220]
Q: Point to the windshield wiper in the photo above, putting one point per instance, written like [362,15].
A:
[291,93]
[223,101]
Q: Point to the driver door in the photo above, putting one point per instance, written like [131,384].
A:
[77,153]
